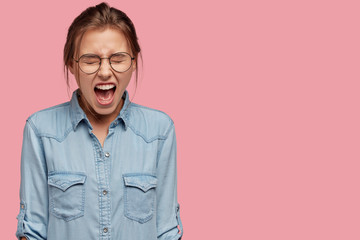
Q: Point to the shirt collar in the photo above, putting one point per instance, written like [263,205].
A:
[77,114]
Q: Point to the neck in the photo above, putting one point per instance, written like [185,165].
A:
[98,120]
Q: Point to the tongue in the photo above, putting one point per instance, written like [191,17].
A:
[104,94]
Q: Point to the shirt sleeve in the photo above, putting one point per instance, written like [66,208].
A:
[33,215]
[168,209]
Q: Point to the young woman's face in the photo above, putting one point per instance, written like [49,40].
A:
[103,89]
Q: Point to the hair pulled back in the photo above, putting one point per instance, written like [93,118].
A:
[99,17]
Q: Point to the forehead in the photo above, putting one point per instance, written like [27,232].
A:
[103,42]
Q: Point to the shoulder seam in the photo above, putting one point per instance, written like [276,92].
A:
[163,142]
[169,128]
[33,127]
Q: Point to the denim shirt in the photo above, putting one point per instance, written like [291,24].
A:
[73,188]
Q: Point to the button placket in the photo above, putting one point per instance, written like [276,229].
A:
[102,175]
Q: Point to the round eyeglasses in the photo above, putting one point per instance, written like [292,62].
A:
[119,62]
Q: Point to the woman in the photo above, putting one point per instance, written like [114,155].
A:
[99,166]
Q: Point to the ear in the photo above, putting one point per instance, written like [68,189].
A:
[133,67]
[71,67]
[73,71]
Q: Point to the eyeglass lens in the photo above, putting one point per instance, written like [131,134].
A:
[120,62]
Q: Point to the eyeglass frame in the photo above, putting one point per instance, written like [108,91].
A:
[90,54]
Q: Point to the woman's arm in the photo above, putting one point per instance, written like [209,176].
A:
[168,213]
[33,216]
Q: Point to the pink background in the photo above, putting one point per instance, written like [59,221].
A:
[264,95]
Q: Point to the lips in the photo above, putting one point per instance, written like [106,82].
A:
[105,93]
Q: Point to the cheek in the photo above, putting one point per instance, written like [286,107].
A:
[84,81]
[85,86]
[128,77]
[123,79]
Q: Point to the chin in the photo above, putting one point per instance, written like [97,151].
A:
[105,112]
[108,110]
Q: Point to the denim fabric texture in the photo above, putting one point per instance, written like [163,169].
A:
[73,188]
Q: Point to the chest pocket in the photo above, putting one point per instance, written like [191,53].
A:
[66,194]
[140,196]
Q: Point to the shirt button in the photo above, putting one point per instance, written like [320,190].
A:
[104,192]
[107,154]
[105,230]
[22,206]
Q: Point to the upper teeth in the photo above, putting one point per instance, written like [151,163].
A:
[105,87]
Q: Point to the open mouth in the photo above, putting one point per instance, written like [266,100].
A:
[105,93]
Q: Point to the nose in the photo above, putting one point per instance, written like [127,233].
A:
[105,69]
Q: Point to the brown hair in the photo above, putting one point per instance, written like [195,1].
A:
[99,17]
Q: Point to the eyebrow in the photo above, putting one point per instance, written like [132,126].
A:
[90,54]
[94,54]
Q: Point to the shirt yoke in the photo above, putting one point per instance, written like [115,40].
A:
[148,123]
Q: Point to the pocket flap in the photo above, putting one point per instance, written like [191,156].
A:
[64,180]
[142,181]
